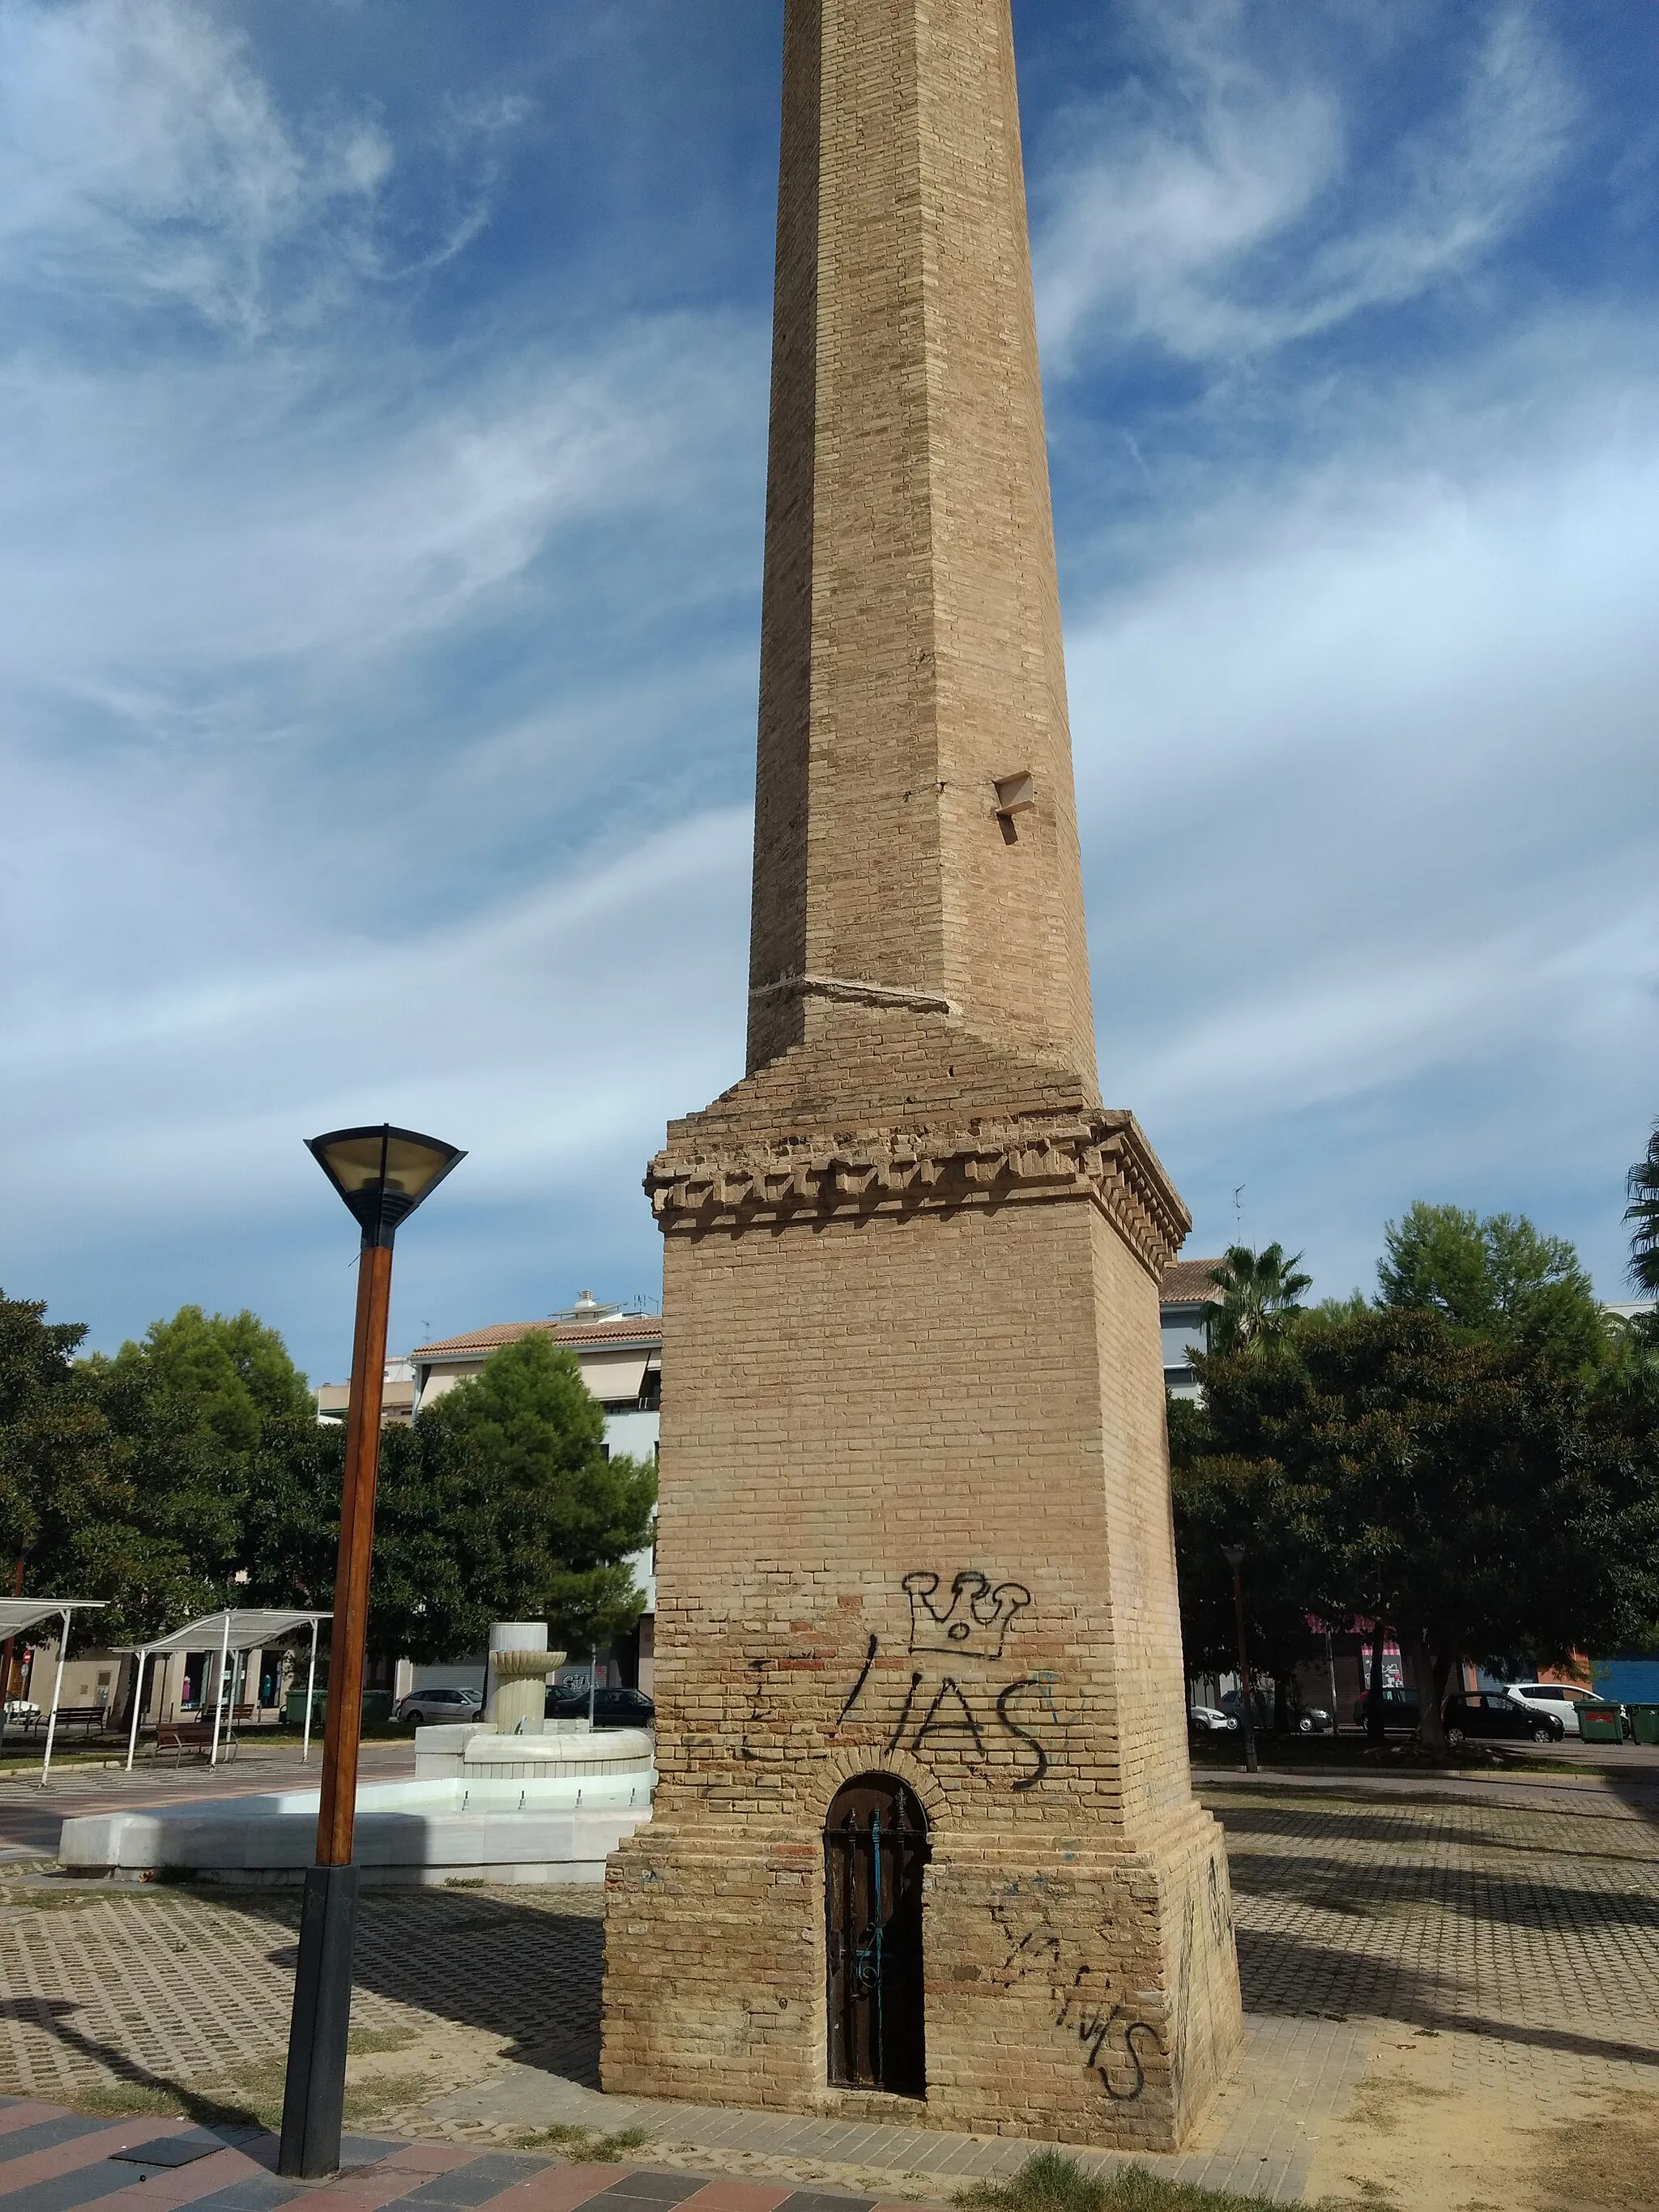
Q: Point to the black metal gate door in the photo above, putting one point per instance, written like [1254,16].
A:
[875,1846]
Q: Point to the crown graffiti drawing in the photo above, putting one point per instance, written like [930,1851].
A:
[975,1623]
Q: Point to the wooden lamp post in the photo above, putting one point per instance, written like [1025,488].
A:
[383,1174]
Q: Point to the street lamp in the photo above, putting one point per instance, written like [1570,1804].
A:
[1234,1555]
[383,1174]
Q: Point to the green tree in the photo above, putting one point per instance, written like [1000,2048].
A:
[533,1438]
[49,1433]
[1261,1292]
[1220,1500]
[498,1504]
[1641,1186]
[1457,1484]
[1497,1277]
[227,1374]
[105,1487]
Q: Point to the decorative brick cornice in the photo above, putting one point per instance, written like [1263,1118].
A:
[1100,1157]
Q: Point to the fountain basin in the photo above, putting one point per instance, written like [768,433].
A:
[496,1808]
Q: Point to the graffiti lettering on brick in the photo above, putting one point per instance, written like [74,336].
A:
[1008,1703]
[903,1721]
[975,1623]
[1221,1917]
[946,1714]
[857,1690]
[949,1715]
[1034,1943]
[1108,2033]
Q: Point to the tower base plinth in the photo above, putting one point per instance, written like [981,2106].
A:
[1070,1995]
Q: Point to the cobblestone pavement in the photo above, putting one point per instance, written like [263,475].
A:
[1501,1941]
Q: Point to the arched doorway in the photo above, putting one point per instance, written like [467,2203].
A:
[875,1846]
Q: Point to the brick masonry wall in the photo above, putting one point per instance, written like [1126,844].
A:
[864,1409]
[911,653]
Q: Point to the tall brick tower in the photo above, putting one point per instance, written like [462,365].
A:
[925,1843]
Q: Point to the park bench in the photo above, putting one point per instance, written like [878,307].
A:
[89,1719]
[181,1736]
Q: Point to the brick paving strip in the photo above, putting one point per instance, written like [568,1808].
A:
[53,2160]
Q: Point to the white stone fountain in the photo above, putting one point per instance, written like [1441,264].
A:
[512,1798]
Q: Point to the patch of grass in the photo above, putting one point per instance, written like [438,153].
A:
[365,2042]
[604,2149]
[464,1882]
[1051,2182]
[582,2145]
[214,2104]
[117,2098]
[383,2093]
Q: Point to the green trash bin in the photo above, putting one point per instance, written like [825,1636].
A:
[1602,1723]
[1643,1722]
[377,1708]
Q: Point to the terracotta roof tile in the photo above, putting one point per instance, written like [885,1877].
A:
[626,1328]
[1187,1282]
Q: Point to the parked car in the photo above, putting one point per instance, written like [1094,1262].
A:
[1232,1702]
[1490,1713]
[1210,1720]
[1401,1708]
[1561,1699]
[1314,1720]
[611,1708]
[432,1708]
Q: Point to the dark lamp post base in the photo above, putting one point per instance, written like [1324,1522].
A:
[313,2101]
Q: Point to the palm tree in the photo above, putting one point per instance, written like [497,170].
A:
[1642,1185]
[1260,1292]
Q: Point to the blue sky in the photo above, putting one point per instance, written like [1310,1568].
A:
[382,461]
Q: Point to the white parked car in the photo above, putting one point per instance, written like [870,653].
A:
[1563,1699]
[432,1708]
[1210,1720]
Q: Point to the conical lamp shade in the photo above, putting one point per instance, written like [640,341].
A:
[383,1173]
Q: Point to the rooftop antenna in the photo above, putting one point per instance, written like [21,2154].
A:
[1238,1213]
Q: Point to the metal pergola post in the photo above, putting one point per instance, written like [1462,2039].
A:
[138,1660]
[311,1689]
[57,1691]
[219,1691]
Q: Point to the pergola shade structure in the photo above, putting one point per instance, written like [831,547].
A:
[18,1615]
[236,1630]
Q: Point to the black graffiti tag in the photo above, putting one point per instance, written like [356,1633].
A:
[951,1712]
[954,1717]
[1108,2036]
[1008,1697]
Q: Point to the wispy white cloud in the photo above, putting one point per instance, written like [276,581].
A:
[314,517]
[1367,792]
[144,160]
[1223,217]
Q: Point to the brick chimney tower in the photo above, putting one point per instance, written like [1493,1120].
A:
[925,1846]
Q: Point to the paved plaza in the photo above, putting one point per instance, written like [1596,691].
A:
[1449,1984]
